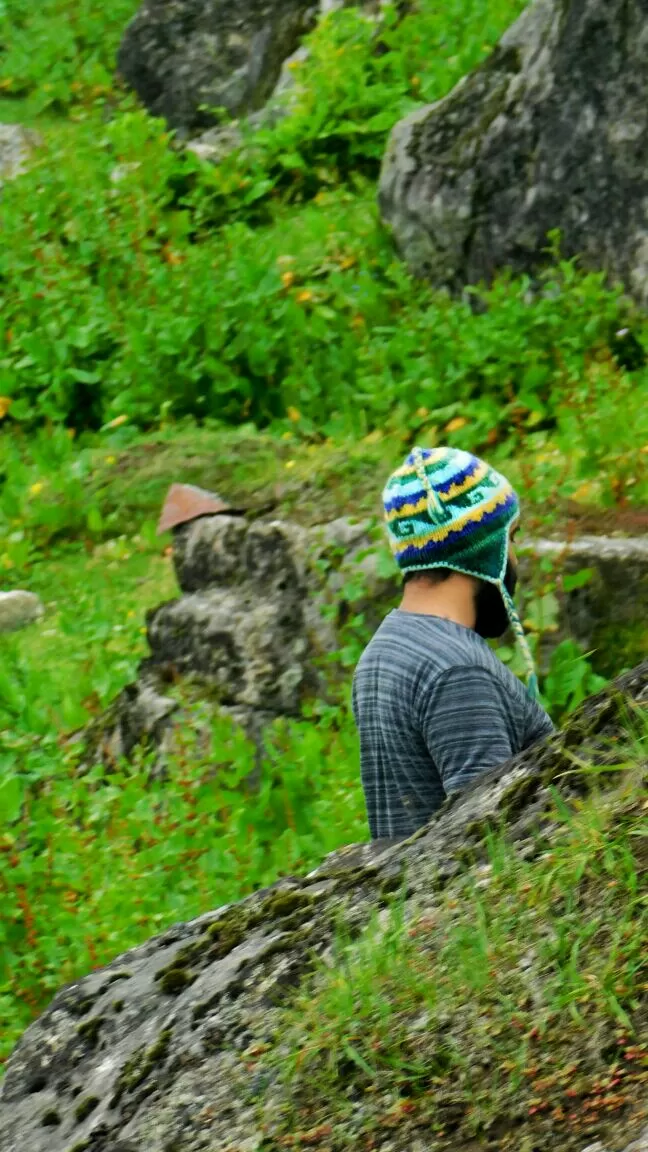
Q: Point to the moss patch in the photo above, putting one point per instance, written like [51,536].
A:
[85,1107]
[140,1065]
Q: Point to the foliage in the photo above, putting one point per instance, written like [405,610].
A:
[263,285]
[312,314]
[517,999]
[60,54]
[91,864]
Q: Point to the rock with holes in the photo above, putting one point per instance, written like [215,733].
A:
[550,132]
[164,1048]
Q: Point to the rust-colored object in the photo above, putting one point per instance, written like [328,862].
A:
[185,502]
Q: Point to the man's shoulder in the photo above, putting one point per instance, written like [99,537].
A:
[426,646]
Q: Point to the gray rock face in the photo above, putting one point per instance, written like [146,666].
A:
[147,1053]
[16,143]
[608,614]
[241,623]
[550,132]
[17,609]
[179,55]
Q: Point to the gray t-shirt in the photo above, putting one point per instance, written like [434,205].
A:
[434,708]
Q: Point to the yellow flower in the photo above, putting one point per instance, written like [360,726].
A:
[290,463]
[304,297]
[110,459]
[457,424]
[287,278]
[5,405]
[294,415]
[422,412]
[36,488]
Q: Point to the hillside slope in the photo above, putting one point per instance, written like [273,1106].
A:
[482,985]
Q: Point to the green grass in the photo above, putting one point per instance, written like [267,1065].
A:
[512,1009]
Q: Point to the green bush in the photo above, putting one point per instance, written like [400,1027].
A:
[60,54]
[113,304]
[90,865]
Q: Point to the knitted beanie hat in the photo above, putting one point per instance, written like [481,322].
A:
[445,508]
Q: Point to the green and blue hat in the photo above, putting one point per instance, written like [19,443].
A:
[446,508]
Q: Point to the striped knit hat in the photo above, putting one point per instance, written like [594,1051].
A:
[445,508]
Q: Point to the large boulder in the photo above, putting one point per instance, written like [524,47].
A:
[185,57]
[551,132]
[163,1048]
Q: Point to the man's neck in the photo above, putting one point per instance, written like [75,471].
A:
[453,599]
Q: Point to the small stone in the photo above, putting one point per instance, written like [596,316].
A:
[16,144]
[17,609]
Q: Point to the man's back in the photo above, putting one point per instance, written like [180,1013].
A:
[435,708]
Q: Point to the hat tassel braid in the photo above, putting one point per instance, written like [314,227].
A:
[435,507]
[516,625]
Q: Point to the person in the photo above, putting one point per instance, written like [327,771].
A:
[434,706]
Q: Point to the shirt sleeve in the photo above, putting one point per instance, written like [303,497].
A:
[468,726]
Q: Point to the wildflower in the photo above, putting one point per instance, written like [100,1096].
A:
[110,459]
[304,297]
[287,278]
[457,424]
[36,488]
[5,405]
[422,413]
[290,463]
[293,414]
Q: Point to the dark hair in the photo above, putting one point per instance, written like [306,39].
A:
[428,575]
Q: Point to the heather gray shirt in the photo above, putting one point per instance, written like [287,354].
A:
[435,708]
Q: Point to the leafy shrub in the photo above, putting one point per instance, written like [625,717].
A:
[111,304]
[91,865]
[59,53]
